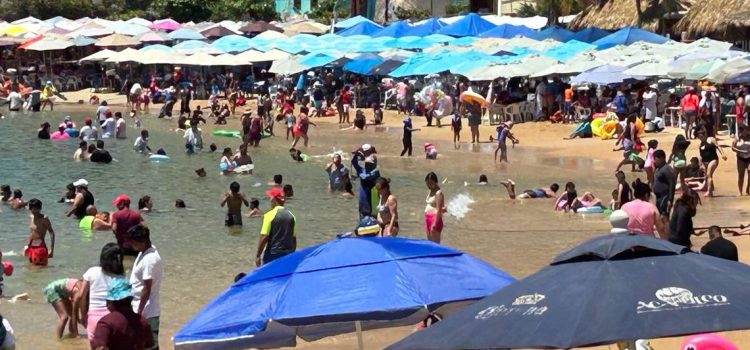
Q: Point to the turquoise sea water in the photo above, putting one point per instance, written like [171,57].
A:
[202,256]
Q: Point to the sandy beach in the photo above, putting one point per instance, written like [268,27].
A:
[540,138]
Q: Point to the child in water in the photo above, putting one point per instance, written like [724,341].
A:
[234,199]
[456,128]
[430,151]
[254,208]
[63,294]
[296,154]
[226,165]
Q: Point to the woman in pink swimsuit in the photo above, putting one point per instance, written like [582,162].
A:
[433,212]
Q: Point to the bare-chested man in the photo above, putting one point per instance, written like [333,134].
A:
[234,199]
[39,226]
[17,201]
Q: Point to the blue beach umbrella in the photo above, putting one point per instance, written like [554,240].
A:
[195,46]
[568,50]
[627,36]
[589,34]
[507,31]
[363,65]
[470,25]
[83,41]
[430,26]
[185,34]
[332,288]
[555,32]
[313,60]
[609,289]
[363,28]
[233,43]
[386,67]
[438,38]
[351,22]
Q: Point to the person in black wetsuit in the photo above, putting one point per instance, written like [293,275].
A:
[681,223]
[83,199]
[408,129]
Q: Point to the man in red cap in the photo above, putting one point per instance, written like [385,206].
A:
[278,232]
[122,220]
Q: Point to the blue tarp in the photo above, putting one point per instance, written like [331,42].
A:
[351,22]
[386,67]
[554,32]
[395,30]
[507,31]
[363,28]
[410,42]
[627,36]
[589,34]
[233,43]
[439,38]
[185,34]
[465,41]
[470,25]
[363,65]
[609,289]
[431,26]
[568,50]
[322,290]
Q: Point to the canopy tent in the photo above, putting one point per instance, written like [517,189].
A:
[351,22]
[430,26]
[554,32]
[507,31]
[166,24]
[470,25]
[185,34]
[395,30]
[117,40]
[586,297]
[627,36]
[362,28]
[337,287]
[589,34]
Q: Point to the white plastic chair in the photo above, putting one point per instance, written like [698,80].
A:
[496,112]
[512,112]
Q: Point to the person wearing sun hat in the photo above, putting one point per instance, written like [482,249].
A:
[122,328]
[83,199]
[278,234]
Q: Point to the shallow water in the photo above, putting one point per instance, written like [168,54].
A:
[202,256]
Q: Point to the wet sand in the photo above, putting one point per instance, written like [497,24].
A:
[541,144]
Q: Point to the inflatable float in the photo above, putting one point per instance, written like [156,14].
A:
[226,133]
[244,168]
[158,158]
[707,342]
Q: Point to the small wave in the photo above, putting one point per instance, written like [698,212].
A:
[10,253]
[458,206]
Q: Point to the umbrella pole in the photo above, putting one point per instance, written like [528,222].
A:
[360,341]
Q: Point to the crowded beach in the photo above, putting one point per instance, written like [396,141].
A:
[368,186]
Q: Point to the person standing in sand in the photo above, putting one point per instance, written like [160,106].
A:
[39,226]
[741,146]
[278,233]
[433,212]
[300,129]
[233,200]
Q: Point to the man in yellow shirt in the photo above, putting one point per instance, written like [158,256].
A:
[278,234]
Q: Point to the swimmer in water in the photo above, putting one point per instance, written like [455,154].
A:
[70,194]
[430,151]
[94,221]
[288,191]
[277,181]
[81,153]
[179,204]
[550,192]
[141,143]
[482,180]
[296,155]
[254,208]
[17,201]
[39,226]
[226,164]
[43,132]
[200,172]
[233,200]
[5,194]
[433,213]
[145,204]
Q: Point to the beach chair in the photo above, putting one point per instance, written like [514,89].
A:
[512,113]
[495,113]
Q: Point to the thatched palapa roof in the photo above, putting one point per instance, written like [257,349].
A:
[719,19]
[617,14]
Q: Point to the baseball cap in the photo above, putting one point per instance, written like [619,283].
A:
[121,198]
[119,289]
[275,192]
[88,120]
[81,182]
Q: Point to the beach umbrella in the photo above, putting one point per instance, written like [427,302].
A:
[4,42]
[92,32]
[185,34]
[155,56]
[229,60]
[26,43]
[217,32]
[195,46]
[701,70]
[55,20]
[395,30]
[58,31]
[507,31]
[130,29]
[576,65]
[438,38]
[589,34]
[232,43]
[363,65]
[259,27]
[710,45]
[127,55]
[363,28]
[153,37]
[313,60]
[650,69]
[470,25]
[568,50]
[139,21]
[627,36]
[157,47]
[68,25]
[257,56]
[287,66]
[603,75]
[98,56]
[269,35]
[351,21]
[609,289]
[49,44]
[166,24]
[337,287]
[733,67]
[199,59]
[308,27]
[117,40]
[554,32]
[425,28]
[386,67]
[13,30]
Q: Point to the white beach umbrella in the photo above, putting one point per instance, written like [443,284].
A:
[98,56]
[287,66]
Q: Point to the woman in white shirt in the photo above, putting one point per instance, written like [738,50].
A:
[95,285]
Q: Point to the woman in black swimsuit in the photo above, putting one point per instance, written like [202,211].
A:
[709,151]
